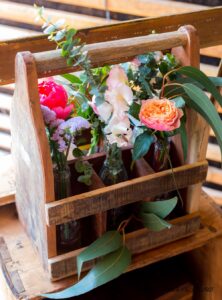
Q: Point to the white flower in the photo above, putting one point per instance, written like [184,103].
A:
[104,110]
[116,76]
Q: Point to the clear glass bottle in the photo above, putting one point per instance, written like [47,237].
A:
[160,155]
[113,171]
[68,234]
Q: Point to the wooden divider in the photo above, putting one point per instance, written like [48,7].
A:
[120,194]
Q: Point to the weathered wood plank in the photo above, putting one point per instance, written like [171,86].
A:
[90,203]
[145,8]
[27,13]
[7,182]
[10,32]
[51,63]
[207,22]
[137,242]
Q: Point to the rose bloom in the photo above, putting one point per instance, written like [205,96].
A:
[55,97]
[160,114]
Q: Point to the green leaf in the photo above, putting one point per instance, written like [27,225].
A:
[107,269]
[135,110]
[72,78]
[154,223]
[160,208]
[86,179]
[142,145]
[199,101]
[77,152]
[79,166]
[202,79]
[217,81]
[184,140]
[49,29]
[107,243]
[179,102]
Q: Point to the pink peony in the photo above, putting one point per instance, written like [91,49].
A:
[160,114]
[55,97]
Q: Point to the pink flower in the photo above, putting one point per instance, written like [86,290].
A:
[136,63]
[63,113]
[55,97]
[160,114]
[116,76]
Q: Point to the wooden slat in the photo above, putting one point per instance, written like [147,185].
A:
[5,103]
[123,193]
[137,242]
[214,175]
[145,8]
[5,123]
[36,280]
[51,63]
[26,14]
[10,32]
[207,22]
[183,292]
[5,141]
[213,153]
[7,182]
[214,194]
[151,8]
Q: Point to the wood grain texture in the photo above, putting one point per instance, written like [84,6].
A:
[196,127]
[36,280]
[51,63]
[207,22]
[30,150]
[90,203]
[145,8]
[27,13]
[7,182]
[137,242]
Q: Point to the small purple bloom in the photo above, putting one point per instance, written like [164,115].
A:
[75,124]
[48,114]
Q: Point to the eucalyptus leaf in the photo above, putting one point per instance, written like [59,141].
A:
[200,77]
[217,81]
[184,140]
[199,101]
[107,243]
[142,145]
[153,222]
[160,208]
[108,268]
[72,78]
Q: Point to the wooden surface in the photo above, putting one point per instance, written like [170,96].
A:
[51,63]
[27,14]
[207,22]
[35,279]
[90,203]
[137,242]
[144,8]
[32,161]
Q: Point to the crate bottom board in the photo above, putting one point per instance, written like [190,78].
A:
[29,279]
[137,242]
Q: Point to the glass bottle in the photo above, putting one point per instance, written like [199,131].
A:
[113,171]
[160,155]
[68,234]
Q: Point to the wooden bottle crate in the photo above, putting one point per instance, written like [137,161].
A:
[35,198]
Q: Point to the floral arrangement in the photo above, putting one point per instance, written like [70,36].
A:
[135,104]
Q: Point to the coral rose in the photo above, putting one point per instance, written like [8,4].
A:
[160,114]
[54,96]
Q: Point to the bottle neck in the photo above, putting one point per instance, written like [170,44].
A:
[113,156]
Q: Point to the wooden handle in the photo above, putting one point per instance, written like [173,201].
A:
[51,63]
